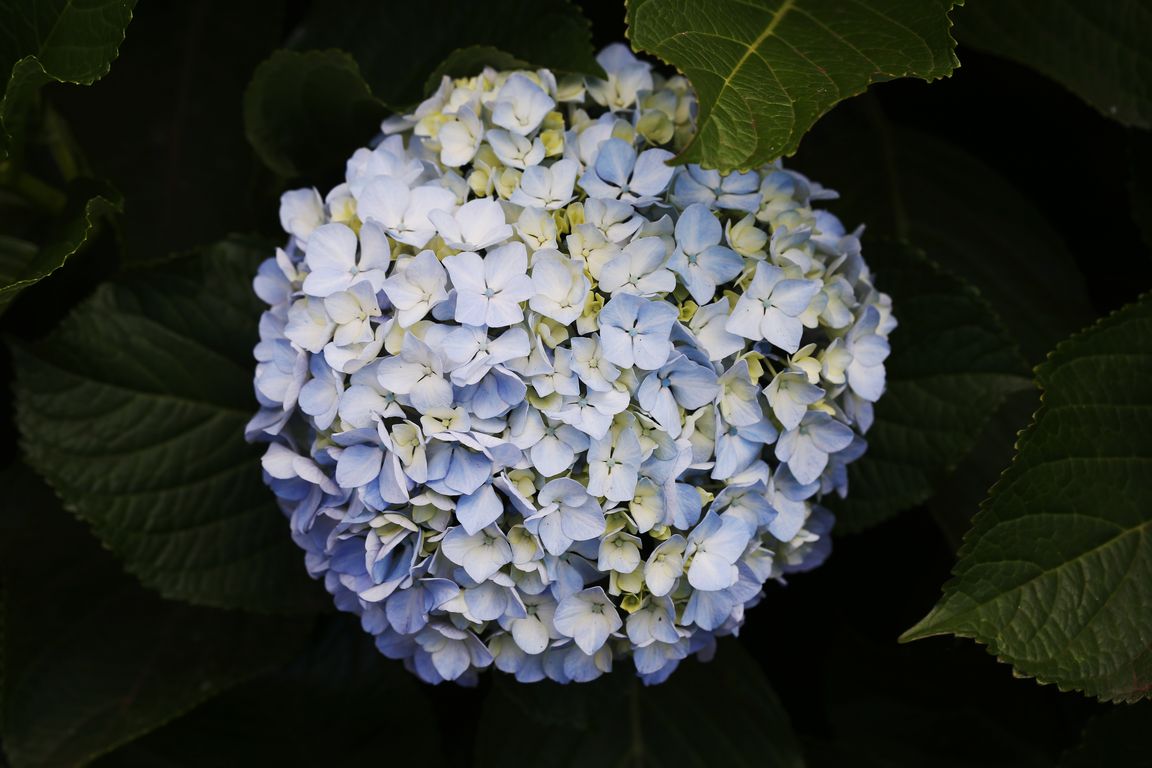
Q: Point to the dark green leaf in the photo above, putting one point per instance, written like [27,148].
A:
[134,410]
[465,62]
[75,40]
[1101,51]
[339,704]
[1056,574]
[304,113]
[69,41]
[719,713]
[18,105]
[89,658]
[166,126]
[951,366]
[547,33]
[1118,736]
[15,257]
[765,71]
[917,188]
[23,263]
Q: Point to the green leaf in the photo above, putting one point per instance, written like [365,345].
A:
[765,71]
[68,41]
[915,187]
[1101,51]
[951,366]
[21,97]
[23,263]
[1056,574]
[134,408]
[719,713]
[304,113]
[330,701]
[465,62]
[547,33]
[166,126]
[88,658]
[75,40]
[1117,736]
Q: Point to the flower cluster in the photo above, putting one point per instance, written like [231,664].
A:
[537,399]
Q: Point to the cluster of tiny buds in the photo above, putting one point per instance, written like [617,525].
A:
[537,399]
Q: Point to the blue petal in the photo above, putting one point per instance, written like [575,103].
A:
[467,471]
[358,465]
[683,504]
[615,161]
[708,610]
[486,601]
[551,456]
[697,229]
[478,510]
[652,173]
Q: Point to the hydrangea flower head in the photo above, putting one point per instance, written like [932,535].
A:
[536,399]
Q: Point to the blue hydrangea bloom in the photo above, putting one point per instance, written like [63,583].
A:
[536,400]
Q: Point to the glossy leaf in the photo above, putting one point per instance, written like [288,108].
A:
[66,41]
[951,366]
[134,411]
[735,720]
[1101,51]
[1056,574]
[90,659]
[546,33]
[304,113]
[765,71]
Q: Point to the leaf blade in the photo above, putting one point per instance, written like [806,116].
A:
[92,660]
[304,113]
[765,72]
[1054,575]
[59,40]
[24,264]
[134,411]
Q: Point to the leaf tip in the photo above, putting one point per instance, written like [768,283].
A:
[929,626]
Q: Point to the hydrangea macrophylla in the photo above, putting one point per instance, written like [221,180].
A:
[537,400]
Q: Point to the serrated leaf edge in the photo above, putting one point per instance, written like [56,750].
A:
[929,625]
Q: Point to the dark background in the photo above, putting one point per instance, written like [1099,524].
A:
[827,641]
